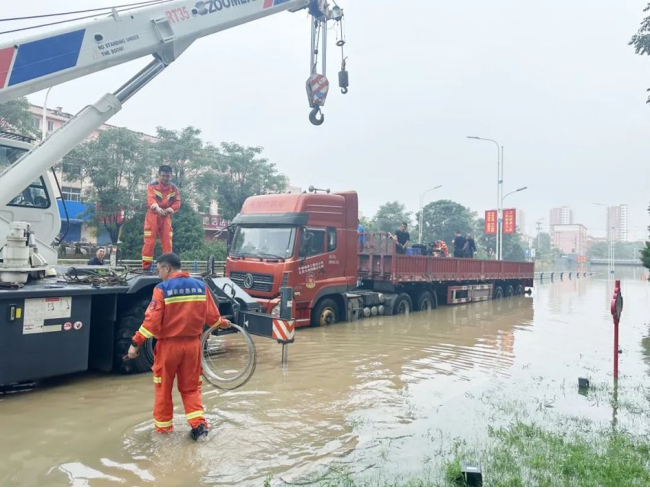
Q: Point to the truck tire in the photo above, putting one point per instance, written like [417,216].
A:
[498,293]
[519,290]
[403,305]
[509,291]
[326,313]
[128,325]
[426,302]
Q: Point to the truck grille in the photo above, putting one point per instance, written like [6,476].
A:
[261,282]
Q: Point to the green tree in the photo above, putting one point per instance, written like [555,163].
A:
[243,173]
[194,164]
[389,217]
[442,218]
[598,250]
[645,255]
[513,249]
[641,40]
[117,164]
[202,253]
[16,117]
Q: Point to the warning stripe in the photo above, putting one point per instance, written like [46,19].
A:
[283,330]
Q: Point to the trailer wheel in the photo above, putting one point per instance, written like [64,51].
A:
[326,313]
[128,325]
[403,304]
[425,302]
[519,290]
[498,293]
[509,291]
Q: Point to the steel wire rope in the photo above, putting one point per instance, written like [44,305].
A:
[214,375]
[57,14]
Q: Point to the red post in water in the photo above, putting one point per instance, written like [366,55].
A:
[616,309]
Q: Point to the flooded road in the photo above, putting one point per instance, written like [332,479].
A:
[382,395]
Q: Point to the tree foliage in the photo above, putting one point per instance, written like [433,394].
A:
[641,40]
[443,218]
[389,217]
[242,173]
[16,117]
[118,166]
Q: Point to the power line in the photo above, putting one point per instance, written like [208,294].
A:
[148,4]
[29,17]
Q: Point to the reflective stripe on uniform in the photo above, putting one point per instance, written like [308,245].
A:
[157,193]
[147,233]
[194,415]
[165,424]
[147,258]
[157,379]
[185,298]
[145,332]
[217,323]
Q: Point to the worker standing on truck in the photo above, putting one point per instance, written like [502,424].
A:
[402,238]
[180,307]
[163,200]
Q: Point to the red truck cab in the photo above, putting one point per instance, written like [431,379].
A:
[307,241]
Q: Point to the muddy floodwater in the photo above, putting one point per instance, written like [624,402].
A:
[382,395]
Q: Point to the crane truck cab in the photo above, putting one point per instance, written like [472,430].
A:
[35,204]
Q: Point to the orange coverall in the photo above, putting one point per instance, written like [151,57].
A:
[178,311]
[156,225]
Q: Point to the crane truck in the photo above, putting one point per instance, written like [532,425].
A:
[51,326]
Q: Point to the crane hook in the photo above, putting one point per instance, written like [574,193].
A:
[344,91]
[313,116]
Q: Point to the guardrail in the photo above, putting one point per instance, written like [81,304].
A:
[191,266]
[561,275]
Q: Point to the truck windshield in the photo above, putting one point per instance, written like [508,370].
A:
[35,195]
[263,242]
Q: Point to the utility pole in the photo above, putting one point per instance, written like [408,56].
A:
[539,231]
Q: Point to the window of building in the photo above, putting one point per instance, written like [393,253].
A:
[71,169]
[71,194]
[37,123]
[50,126]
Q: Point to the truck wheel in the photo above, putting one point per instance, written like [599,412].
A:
[403,305]
[519,290]
[509,291]
[128,325]
[425,302]
[498,293]
[326,313]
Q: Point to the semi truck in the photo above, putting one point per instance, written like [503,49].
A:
[310,242]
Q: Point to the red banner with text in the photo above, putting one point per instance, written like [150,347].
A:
[490,221]
[509,221]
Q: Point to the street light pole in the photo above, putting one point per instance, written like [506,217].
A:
[500,256]
[499,189]
[421,222]
[44,128]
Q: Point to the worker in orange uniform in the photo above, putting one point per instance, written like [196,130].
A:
[440,249]
[180,307]
[163,200]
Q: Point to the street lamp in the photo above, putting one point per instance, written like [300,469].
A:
[499,187]
[421,223]
[500,253]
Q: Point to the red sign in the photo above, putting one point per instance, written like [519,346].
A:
[490,221]
[509,221]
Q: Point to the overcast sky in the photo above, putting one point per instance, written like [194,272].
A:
[554,82]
